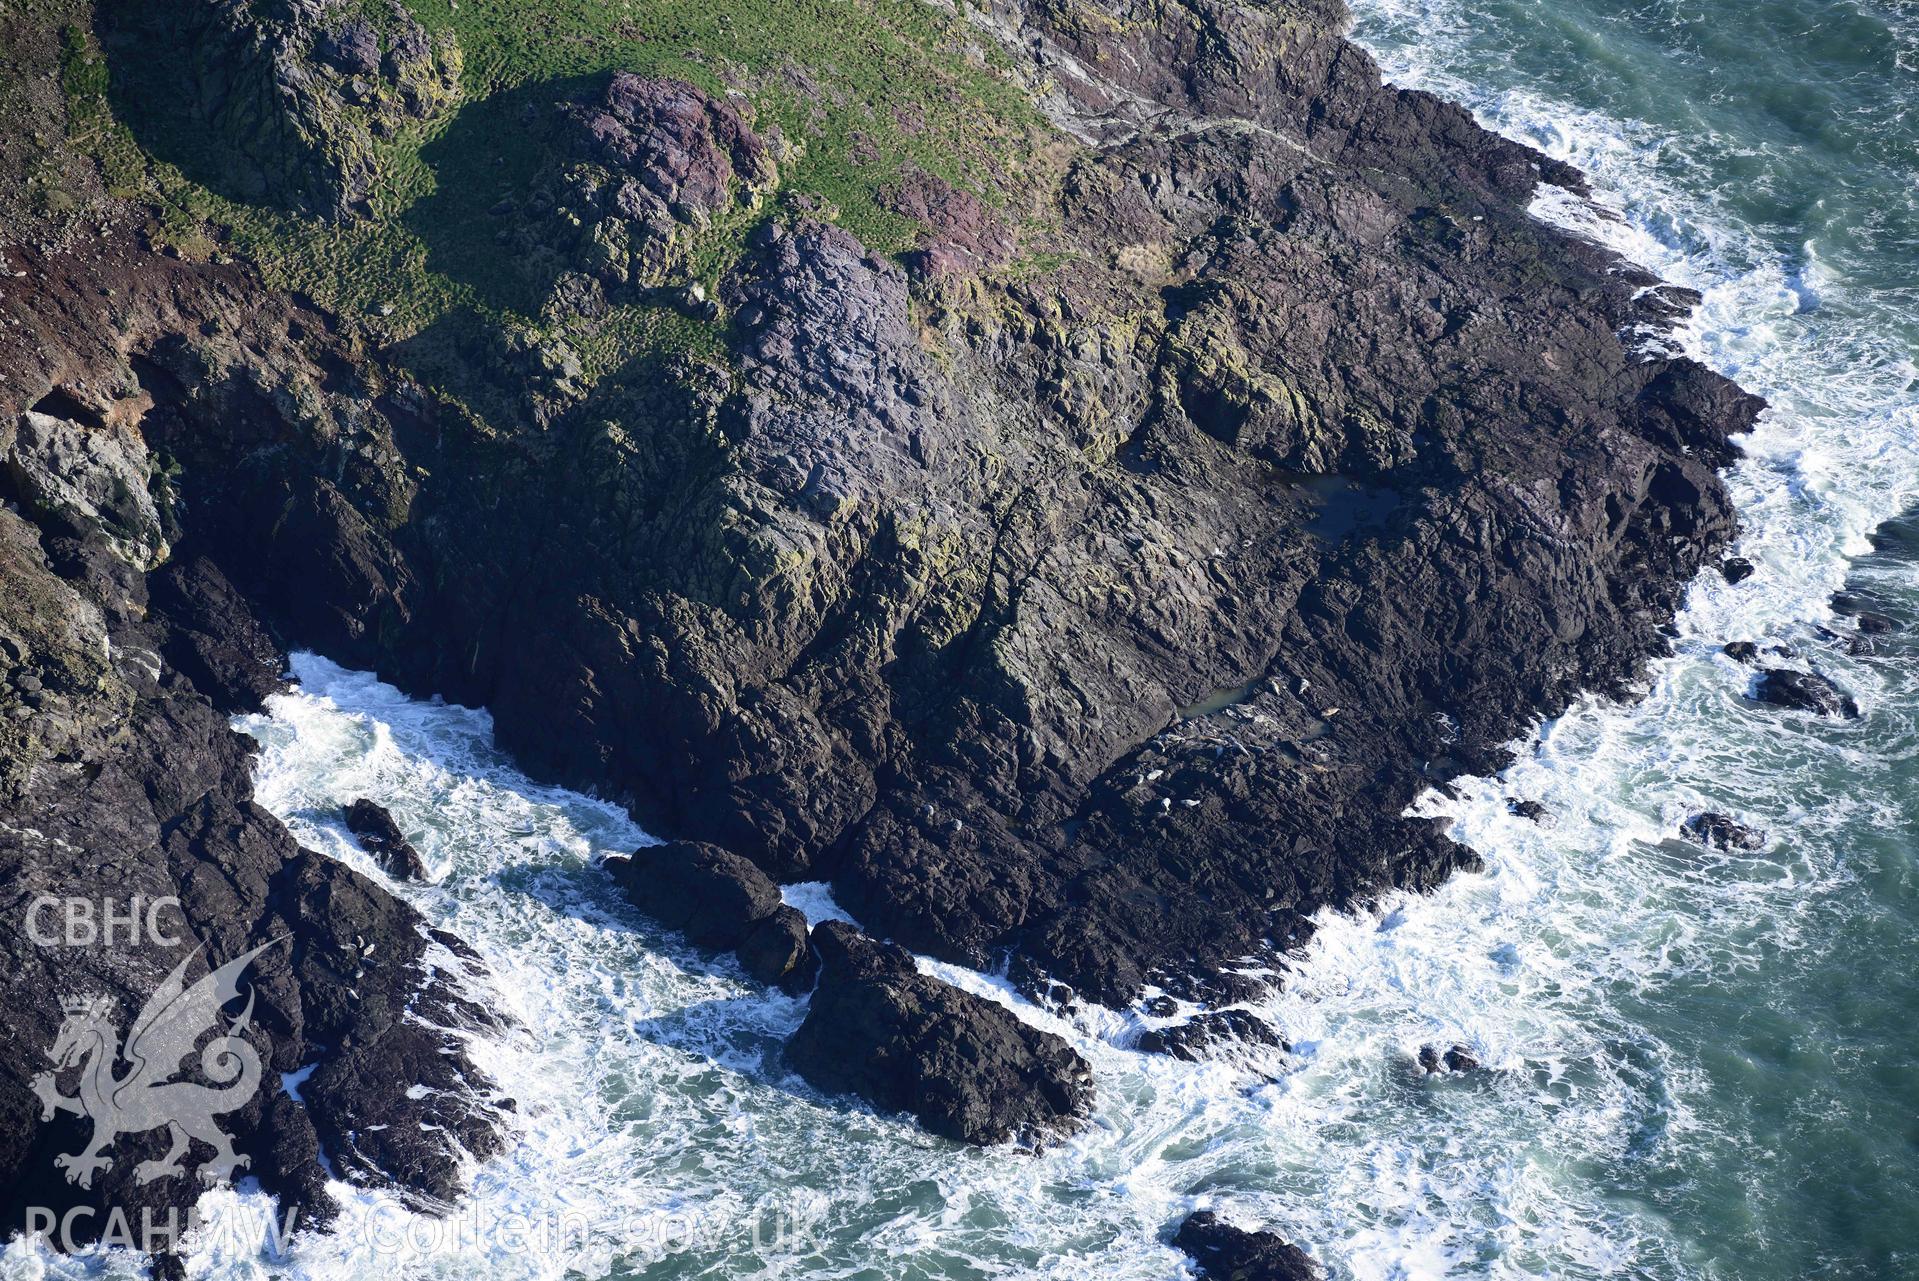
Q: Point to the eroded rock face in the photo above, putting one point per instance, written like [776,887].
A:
[1223,1252]
[280,100]
[966,1068]
[635,175]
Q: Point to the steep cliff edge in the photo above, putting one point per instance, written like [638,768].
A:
[1086,578]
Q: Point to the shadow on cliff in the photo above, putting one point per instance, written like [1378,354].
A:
[165,77]
[485,166]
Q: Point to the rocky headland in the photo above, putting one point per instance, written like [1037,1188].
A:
[1083,581]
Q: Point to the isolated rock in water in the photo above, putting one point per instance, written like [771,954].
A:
[1533,810]
[1187,1040]
[381,837]
[1456,1059]
[1721,832]
[711,895]
[779,952]
[1736,569]
[1223,1252]
[966,1067]
[1804,691]
[1741,651]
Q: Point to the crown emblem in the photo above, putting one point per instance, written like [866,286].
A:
[83,1004]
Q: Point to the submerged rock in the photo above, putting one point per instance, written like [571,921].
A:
[1533,810]
[381,837]
[1741,651]
[966,1067]
[1736,569]
[1188,1040]
[1804,691]
[1223,1252]
[1721,832]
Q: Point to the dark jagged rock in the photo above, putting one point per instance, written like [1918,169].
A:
[1805,692]
[1721,832]
[1455,1059]
[125,786]
[779,952]
[1736,569]
[1223,1252]
[1741,652]
[1006,626]
[964,1066]
[381,837]
[213,638]
[1533,810]
[1190,1040]
[714,897]
[278,100]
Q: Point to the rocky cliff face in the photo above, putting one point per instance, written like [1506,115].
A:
[1107,617]
[1089,588]
[123,790]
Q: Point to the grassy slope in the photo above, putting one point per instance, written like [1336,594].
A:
[858,88]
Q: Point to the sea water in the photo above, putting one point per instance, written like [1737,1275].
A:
[1698,1065]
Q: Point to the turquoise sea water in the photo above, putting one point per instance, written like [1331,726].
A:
[1702,1065]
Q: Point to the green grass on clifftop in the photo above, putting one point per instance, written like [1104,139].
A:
[859,90]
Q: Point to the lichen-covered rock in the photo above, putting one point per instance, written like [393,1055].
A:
[966,1068]
[636,174]
[89,478]
[281,100]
